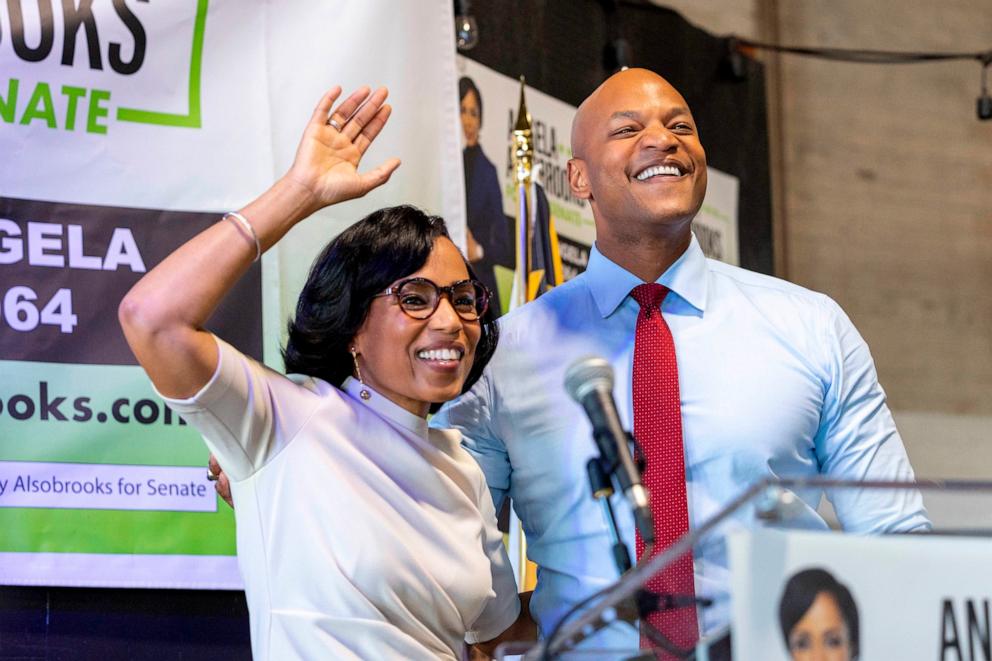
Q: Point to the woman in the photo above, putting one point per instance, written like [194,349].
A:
[361,533]
[819,618]
[489,241]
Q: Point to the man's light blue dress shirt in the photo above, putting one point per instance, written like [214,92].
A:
[775,382]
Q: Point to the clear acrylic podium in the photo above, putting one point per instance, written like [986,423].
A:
[957,524]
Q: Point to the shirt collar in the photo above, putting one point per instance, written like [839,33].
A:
[385,407]
[610,283]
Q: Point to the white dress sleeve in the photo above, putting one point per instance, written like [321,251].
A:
[246,412]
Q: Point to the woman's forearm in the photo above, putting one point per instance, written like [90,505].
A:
[163,314]
[185,288]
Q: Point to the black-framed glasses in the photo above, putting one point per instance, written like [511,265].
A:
[419,297]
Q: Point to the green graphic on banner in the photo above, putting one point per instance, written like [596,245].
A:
[94,531]
[192,118]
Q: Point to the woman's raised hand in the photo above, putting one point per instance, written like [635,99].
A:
[164,313]
[327,159]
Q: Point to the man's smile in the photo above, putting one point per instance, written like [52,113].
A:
[669,169]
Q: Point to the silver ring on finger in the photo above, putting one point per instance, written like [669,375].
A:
[212,477]
[333,122]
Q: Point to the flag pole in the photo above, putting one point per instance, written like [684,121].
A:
[523,168]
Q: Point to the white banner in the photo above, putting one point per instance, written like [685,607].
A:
[887,597]
[105,487]
[126,126]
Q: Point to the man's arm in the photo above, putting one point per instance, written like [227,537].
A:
[474,415]
[523,629]
[222,485]
[858,439]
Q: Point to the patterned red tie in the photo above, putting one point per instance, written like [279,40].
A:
[658,430]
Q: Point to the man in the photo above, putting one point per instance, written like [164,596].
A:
[773,379]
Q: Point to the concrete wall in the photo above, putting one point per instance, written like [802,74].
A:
[883,196]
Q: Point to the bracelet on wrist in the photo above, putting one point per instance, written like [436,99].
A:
[244,227]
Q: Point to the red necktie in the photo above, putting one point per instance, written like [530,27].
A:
[658,430]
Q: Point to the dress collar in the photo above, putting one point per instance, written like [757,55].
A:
[610,283]
[385,408]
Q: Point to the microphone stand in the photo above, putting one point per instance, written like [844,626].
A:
[602,489]
[645,602]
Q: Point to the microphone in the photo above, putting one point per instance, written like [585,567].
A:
[589,381]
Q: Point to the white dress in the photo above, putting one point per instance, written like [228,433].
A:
[361,533]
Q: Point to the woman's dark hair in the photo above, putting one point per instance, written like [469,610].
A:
[359,263]
[800,592]
[466,85]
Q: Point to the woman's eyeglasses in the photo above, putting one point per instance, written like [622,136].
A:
[419,297]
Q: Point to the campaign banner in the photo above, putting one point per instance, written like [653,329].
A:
[493,99]
[800,595]
[126,127]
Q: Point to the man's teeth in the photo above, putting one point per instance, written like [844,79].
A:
[440,354]
[659,169]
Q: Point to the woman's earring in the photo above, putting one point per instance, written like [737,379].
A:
[364,392]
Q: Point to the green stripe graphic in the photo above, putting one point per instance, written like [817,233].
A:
[192,118]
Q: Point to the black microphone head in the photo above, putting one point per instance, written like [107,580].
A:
[588,374]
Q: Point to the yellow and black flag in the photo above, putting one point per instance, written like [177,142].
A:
[537,257]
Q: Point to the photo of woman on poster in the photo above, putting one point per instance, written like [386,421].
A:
[819,618]
[488,233]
